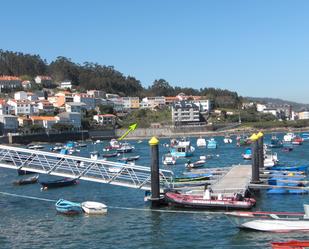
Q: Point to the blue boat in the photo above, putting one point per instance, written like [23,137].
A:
[275,142]
[212,144]
[290,168]
[68,207]
[287,191]
[305,136]
[248,154]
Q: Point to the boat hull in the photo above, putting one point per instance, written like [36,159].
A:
[272,225]
[197,202]
[58,183]
[91,207]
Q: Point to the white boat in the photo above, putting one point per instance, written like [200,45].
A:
[114,144]
[271,221]
[212,144]
[182,148]
[227,140]
[289,137]
[125,148]
[270,158]
[201,142]
[169,159]
[95,155]
[92,207]
[35,147]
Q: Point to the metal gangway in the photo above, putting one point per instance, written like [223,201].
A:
[83,168]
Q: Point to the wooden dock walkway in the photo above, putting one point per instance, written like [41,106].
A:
[236,180]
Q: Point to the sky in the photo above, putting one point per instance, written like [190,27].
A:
[257,48]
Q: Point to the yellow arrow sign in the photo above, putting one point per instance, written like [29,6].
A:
[132,127]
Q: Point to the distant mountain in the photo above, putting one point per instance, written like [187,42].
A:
[295,106]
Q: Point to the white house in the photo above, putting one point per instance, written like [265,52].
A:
[105,119]
[89,100]
[19,107]
[203,104]
[66,85]
[260,107]
[21,95]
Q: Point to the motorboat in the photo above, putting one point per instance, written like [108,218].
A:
[248,154]
[58,183]
[125,148]
[106,155]
[129,159]
[305,136]
[297,140]
[92,207]
[290,168]
[197,164]
[270,158]
[227,140]
[22,172]
[201,142]
[114,144]
[271,221]
[212,144]
[291,244]
[208,201]
[289,137]
[28,180]
[182,148]
[68,207]
[57,147]
[169,159]
[243,141]
[35,147]
[275,142]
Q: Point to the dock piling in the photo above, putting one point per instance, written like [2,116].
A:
[255,159]
[261,149]
[155,178]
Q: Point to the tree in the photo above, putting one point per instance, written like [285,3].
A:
[161,88]
[62,127]
[106,109]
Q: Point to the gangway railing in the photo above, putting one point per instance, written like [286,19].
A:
[103,171]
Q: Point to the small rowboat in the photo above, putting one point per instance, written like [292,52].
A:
[110,155]
[209,202]
[92,207]
[191,179]
[271,221]
[29,180]
[68,207]
[196,164]
[58,183]
[292,244]
[22,172]
[129,159]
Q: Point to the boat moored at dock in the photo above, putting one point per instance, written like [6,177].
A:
[209,202]
[58,183]
[271,221]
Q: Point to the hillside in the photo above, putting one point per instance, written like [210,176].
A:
[295,106]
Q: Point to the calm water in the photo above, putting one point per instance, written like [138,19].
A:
[27,223]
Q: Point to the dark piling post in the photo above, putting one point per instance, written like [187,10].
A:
[255,160]
[155,178]
[261,149]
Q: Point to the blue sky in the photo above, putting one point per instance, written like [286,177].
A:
[255,47]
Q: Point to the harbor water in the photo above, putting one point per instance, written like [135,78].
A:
[29,218]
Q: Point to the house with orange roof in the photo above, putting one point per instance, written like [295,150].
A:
[61,98]
[44,121]
[9,82]
[44,106]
